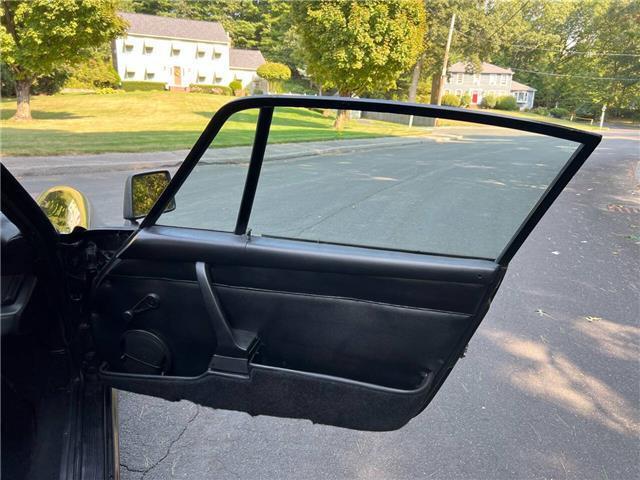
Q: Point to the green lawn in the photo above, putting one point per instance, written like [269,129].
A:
[156,121]
[558,121]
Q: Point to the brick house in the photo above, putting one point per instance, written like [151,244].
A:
[491,79]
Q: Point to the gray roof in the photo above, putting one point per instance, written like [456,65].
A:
[519,87]
[249,59]
[461,67]
[155,26]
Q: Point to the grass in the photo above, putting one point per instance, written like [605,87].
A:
[156,121]
[543,118]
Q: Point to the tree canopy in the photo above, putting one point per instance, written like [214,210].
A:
[359,46]
[39,36]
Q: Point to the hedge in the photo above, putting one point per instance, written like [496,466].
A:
[450,100]
[132,86]
[206,88]
[506,102]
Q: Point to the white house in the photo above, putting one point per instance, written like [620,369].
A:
[491,79]
[180,52]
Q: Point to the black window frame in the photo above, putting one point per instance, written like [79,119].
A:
[266,104]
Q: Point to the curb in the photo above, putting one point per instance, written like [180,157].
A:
[38,171]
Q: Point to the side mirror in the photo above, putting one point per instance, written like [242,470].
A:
[141,191]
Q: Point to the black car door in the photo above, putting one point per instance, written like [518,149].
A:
[338,281]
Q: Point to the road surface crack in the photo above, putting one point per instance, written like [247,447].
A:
[169,448]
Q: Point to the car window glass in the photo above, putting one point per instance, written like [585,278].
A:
[210,196]
[394,182]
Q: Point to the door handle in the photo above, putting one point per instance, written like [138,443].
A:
[233,344]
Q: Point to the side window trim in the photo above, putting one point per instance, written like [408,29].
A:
[266,104]
[255,166]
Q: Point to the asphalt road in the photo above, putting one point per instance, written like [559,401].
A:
[550,387]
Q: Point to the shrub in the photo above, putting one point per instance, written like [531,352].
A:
[488,101]
[236,86]
[274,73]
[465,100]
[93,73]
[133,86]
[450,100]
[506,102]
[541,111]
[213,89]
[107,91]
[589,110]
[257,91]
[559,112]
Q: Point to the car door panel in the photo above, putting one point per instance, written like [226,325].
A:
[364,323]
[344,335]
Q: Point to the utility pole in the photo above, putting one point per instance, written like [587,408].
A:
[445,61]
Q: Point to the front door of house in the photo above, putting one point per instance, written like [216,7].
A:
[177,76]
[474,97]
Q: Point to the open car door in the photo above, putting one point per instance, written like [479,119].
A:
[337,281]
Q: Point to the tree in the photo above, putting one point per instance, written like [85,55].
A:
[358,47]
[38,37]
[274,74]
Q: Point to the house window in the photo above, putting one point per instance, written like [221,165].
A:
[200,54]
[129,74]
[175,52]
[149,75]
[476,79]
[492,79]
[147,49]
[458,92]
[216,53]
[201,79]
[503,79]
[128,47]
[521,97]
[459,78]
[216,78]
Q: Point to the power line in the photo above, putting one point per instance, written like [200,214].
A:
[551,74]
[575,52]
[522,7]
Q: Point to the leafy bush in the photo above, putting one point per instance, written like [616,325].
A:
[139,86]
[274,73]
[541,111]
[93,73]
[488,101]
[236,86]
[589,110]
[465,99]
[257,91]
[506,102]
[213,89]
[450,100]
[559,112]
[107,91]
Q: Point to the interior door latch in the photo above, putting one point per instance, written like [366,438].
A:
[149,302]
